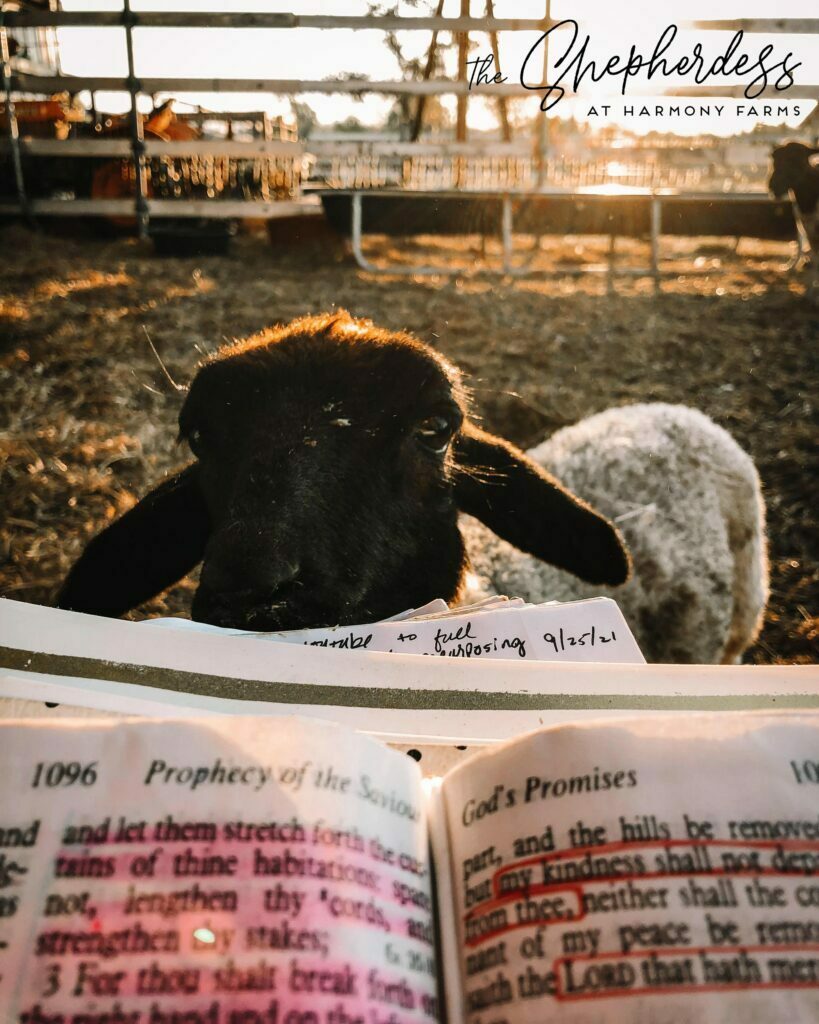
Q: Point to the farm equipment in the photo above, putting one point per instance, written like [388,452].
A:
[204,170]
[166,178]
[59,117]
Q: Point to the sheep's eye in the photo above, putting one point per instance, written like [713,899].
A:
[196,441]
[435,433]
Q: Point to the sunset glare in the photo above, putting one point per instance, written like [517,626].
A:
[318,54]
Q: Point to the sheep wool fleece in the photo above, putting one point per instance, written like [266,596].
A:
[688,502]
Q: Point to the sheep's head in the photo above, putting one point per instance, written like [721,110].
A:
[325,459]
[332,459]
[792,168]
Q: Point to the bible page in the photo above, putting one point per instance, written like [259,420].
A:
[660,870]
[223,871]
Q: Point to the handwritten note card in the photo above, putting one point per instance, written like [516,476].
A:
[589,631]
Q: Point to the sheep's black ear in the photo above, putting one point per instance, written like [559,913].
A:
[520,502]
[152,546]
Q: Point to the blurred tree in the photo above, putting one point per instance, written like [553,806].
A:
[350,124]
[306,119]
[404,115]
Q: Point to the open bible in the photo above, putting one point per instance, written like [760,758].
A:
[284,871]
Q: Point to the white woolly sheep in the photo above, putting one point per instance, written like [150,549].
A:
[688,502]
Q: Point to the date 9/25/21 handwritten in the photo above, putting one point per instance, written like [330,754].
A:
[586,631]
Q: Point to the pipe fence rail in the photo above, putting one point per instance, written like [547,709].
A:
[385,22]
[641,213]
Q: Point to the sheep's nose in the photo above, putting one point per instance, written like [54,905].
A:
[242,574]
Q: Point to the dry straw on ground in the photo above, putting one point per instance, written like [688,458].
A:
[88,424]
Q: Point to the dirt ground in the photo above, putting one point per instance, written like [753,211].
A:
[88,422]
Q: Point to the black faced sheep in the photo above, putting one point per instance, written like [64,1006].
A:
[332,462]
[794,174]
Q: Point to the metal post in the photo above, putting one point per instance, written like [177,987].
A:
[506,233]
[137,137]
[11,114]
[656,226]
[356,232]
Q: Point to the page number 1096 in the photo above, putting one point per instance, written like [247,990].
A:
[64,773]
